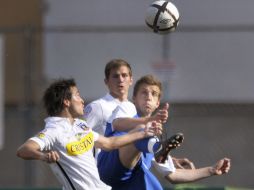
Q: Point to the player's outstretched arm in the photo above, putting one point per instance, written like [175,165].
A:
[187,175]
[127,124]
[221,167]
[183,163]
[30,150]
[116,142]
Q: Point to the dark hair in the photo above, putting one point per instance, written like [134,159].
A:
[149,80]
[115,64]
[55,95]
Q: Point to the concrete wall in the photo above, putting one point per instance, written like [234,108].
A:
[208,59]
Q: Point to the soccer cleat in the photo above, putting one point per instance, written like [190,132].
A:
[172,143]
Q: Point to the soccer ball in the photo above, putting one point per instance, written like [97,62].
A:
[162,17]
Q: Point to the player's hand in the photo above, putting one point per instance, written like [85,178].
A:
[221,167]
[50,157]
[153,129]
[161,115]
[183,163]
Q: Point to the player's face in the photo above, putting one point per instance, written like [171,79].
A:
[76,106]
[119,82]
[147,99]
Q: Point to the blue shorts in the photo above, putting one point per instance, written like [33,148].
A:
[111,169]
[113,173]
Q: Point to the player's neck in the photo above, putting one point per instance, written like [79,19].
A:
[121,98]
[68,115]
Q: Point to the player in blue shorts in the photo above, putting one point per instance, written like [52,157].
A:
[114,167]
[128,167]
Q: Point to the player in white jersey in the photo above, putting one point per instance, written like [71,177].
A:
[98,112]
[118,79]
[66,142]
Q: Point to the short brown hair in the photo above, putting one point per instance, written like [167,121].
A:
[114,64]
[55,95]
[149,80]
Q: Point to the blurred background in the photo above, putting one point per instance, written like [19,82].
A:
[206,67]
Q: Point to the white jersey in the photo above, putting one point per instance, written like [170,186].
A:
[74,143]
[125,109]
[98,112]
[166,168]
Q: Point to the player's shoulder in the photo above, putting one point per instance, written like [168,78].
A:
[105,100]
[99,104]
[127,105]
[54,122]
[126,108]
[57,124]
[93,108]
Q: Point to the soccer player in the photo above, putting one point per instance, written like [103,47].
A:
[125,168]
[146,97]
[118,79]
[66,142]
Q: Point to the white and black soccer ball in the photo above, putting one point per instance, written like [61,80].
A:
[162,17]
